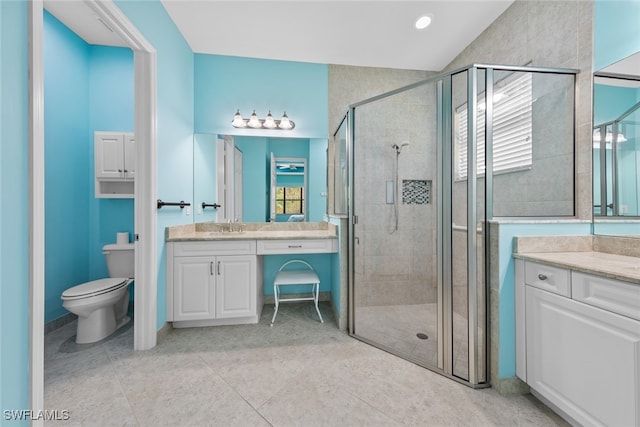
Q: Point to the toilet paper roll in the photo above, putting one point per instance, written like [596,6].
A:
[122,238]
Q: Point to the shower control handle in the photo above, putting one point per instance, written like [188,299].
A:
[542,276]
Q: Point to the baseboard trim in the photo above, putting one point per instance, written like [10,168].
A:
[163,332]
[506,386]
[59,322]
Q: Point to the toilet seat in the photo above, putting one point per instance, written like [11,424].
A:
[93,288]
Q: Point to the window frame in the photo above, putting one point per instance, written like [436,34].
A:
[285,199]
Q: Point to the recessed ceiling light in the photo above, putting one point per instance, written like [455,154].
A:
[423,22]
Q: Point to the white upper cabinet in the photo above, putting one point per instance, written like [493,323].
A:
[129,155]
[115,164]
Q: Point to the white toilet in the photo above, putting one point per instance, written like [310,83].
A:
[101,305]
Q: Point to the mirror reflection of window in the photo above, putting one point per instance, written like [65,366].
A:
[290,200]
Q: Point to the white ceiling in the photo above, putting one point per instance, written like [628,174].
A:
[348,32]
[364,33]
[76,15]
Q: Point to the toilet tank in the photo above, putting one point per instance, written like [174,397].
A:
[120,259]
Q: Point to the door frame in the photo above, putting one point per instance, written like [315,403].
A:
[145,100]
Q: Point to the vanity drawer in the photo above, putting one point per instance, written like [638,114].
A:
[298,246]
[547,278]
[609,294]
[207,248]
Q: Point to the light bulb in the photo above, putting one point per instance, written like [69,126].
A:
[285,123]
[269,123]
[238,121]
[423,22]
[254,122]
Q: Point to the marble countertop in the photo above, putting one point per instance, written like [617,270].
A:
[251,231]
[613,266]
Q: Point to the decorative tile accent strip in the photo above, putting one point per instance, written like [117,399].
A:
[416,192]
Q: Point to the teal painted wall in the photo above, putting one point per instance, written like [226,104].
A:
[175,107]
[610,102]
[317,166]
[204,176]
[616,31]
[255,155]
[321,263]
[87,88]
[507,312]
[111,103]
[225,83]
[14,209]
[67,162]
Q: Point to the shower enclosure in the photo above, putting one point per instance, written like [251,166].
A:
[616,146]
[419,201]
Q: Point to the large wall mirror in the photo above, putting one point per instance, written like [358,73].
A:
[616,148]
[258,179]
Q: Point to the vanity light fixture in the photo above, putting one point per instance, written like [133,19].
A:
[254,122]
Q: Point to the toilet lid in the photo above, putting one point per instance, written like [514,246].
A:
[94,288]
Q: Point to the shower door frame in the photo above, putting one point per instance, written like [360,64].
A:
[444,140]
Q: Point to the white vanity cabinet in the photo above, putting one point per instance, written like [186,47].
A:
[115,164]
[577,345]
[213,283]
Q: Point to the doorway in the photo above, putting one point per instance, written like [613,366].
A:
[145,76]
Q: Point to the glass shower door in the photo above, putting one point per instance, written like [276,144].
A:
[394,292]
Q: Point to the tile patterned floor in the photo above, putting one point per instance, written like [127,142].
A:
[298,373]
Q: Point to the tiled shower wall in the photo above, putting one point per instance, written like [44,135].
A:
[550,34]
[395,266]
[388,279]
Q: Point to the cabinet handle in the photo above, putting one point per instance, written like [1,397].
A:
[211,268]
[295,246]
[218,268]
[542,276]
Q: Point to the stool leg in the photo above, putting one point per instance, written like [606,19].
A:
[275,297]
[316,287]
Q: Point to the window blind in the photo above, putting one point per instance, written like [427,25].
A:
[512,128]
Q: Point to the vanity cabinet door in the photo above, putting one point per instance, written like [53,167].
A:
[194,281]
[236,286]
[583,359]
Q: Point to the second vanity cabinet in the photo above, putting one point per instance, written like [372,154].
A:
[213,283]
[578,342]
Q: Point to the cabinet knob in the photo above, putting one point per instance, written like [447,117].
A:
[542,276]
[119,170]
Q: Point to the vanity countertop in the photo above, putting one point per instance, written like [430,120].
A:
[251,231]
[613,266]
